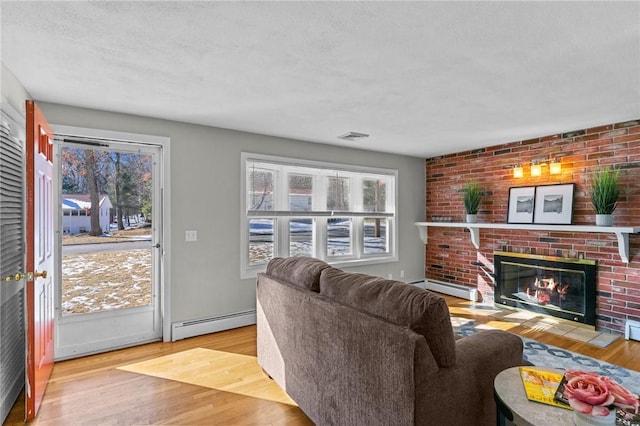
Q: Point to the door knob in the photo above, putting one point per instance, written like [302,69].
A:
[30,276]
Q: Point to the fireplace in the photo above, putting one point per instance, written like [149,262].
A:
[560,287]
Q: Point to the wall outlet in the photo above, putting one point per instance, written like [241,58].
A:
[402,273]
[390,276]
[191,235]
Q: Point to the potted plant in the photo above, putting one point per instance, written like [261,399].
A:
[471,195]
[604,194]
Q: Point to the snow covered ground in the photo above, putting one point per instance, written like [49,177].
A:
[103,281]
[338,243]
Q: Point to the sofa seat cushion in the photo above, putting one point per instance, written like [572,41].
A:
[301,271]
[422,311]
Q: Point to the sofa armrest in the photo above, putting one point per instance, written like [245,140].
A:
[484,355]
[491,350]
[465,390]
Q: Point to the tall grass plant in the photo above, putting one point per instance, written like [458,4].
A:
[604,190]
[471,196]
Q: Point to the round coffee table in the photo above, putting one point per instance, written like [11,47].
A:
[512,403]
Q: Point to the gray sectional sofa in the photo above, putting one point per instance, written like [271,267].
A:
[353,349]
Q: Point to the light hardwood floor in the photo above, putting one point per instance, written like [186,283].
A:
[92,391]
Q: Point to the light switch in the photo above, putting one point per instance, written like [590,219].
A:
[191,235]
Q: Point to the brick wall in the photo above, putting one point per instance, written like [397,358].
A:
[451,257]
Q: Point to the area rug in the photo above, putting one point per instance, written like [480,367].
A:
[541,354]
[224,371]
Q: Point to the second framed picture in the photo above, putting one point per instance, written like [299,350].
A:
[554,204]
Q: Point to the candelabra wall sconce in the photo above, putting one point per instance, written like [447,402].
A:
[555,168]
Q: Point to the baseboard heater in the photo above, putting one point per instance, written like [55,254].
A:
[185,329]
[632,330]
[456,290]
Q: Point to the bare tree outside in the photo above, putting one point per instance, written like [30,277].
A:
[92,183]
[374,194]
[119,215]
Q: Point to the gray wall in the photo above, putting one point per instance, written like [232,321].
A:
[205,186]
[13,93]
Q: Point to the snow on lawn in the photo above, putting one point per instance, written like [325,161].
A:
[107,280]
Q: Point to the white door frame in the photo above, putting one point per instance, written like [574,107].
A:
[164,202]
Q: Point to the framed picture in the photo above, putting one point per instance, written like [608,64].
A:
[521,204]
[554,204]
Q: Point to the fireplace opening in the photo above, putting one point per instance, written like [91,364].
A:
[560,287]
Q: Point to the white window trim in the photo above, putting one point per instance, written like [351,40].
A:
[281,240]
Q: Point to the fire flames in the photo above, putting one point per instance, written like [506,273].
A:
[547,290]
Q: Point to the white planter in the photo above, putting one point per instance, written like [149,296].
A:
[472,218]
[604,220]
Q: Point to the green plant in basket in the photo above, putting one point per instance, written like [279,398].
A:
[604,190]
[471,196]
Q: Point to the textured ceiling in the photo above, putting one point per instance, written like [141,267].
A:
[422,78]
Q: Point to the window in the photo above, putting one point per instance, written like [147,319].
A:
[375,235]
[339,213]
[300,192]
[261,230]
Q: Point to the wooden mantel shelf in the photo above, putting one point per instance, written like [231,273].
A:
[622,232]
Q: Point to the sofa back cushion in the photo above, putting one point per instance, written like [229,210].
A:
[422,311]
[301,271]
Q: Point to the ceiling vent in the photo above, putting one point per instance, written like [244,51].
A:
[353,136]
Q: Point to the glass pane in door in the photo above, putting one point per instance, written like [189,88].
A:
[106,223]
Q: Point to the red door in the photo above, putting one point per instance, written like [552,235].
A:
[39,253]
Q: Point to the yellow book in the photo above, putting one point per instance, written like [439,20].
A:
[540,386]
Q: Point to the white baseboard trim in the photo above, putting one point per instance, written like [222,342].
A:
[186,329]
[456,290]
[632,330]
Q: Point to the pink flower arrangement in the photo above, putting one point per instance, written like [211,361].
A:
[593,394]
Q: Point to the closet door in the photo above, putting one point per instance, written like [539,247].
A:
[12,362]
